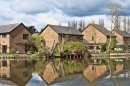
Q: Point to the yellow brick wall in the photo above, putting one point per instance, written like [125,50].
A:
[50,35]
[90,31]
[119,38]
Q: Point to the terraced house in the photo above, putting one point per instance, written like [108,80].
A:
[14,37]
[55,33]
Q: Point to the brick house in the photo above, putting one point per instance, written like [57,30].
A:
[55,33]
[95,34]
[122,37]
[14,37]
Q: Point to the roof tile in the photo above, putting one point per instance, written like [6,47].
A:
[65,30]
[8,28]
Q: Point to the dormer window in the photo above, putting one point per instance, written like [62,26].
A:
[25,36]
[4,35]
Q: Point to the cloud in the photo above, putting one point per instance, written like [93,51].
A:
[84,7]
[42,12]
[68,7]
[30,6]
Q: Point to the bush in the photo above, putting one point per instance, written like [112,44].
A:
[103,47]
[30,52]
[72,46]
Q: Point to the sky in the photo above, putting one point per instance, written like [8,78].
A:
[39,13]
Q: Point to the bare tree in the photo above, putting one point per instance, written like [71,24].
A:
[81,25]
[115,12]
[124,26]
[128,24]
[74,24]
[101,22]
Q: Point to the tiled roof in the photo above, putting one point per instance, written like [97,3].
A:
[65,30]
[102,29]
[122,33]
[8,28]
[85,41]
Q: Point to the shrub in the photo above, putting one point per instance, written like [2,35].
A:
[103,47]
[72,46]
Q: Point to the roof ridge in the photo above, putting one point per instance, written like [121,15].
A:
[60,26]
[10,24]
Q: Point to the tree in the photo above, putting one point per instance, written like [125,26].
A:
[32,29]
[101,22]
[115,14]
[128,24]
[112,43]
[73,24]
[81,25]
[124,26]
[36,38]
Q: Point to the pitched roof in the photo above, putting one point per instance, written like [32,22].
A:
[8,28]
[102,29]
[85,41]
[64,30]
[122,33]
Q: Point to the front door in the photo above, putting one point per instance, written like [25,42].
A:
[4,48]
[26,48]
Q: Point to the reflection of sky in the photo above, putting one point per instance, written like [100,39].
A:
[5,85]
[80,81]
[36,80]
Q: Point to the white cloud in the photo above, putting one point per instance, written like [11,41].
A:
[30,6]
[42,12]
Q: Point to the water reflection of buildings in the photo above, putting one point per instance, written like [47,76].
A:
[51,76]
[17,72]
[94,75]
[98,72]
[94,72]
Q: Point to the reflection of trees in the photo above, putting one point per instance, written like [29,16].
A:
[56,64]
[53,69]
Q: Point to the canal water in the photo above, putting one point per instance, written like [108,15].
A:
[41,73]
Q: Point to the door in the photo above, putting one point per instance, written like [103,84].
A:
[26,48]
[4,48]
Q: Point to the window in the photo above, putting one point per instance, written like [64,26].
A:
[92,38]
[4,63]
[91,47]
[4,48]
[79,38]
[25,36]
[4,35]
